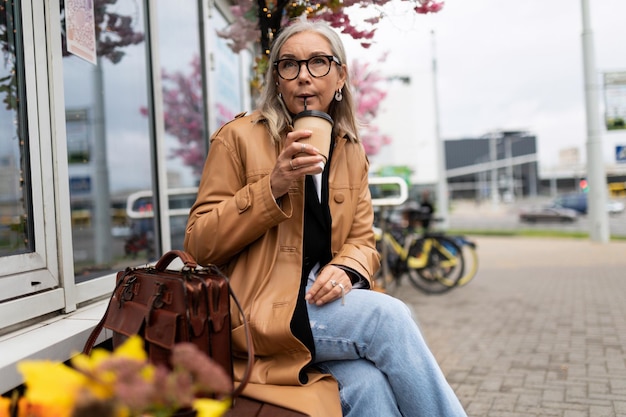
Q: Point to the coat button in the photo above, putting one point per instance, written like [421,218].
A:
[339,197]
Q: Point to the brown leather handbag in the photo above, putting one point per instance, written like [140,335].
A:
[192,304]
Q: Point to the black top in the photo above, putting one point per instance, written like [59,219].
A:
[316,249]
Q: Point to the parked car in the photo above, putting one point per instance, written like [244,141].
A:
[548,214]
[576,202]
[615,207]
[579,203]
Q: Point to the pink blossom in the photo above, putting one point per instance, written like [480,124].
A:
[182,92]
[244,30]
[435,7]
[368,90]
[428,6]
[184,114]
[204,372]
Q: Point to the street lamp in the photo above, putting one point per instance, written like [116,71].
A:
[596,176]
[442,184]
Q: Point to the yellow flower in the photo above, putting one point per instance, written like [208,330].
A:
[5,405]
[100,388]
[207,407]
[25,409]
[121,383]
[102,381]
[51,383]
[132,348]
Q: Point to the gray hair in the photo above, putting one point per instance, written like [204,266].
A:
[271,106]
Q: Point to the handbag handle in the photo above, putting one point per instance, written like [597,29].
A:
[189,262]
[168,257]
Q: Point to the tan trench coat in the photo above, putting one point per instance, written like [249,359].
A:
[237,225]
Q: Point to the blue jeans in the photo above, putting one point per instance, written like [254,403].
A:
[375,350]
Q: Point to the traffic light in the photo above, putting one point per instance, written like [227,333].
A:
[584,186]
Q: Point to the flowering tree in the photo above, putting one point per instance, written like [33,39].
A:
[256,22]
[183,110]
[368,94]
[254,25]
[184,114]
[260,20]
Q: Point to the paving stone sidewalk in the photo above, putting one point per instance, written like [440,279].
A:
[540,331]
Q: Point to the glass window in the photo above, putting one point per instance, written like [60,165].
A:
[28,244]
[109,150]
[228,75]
[201,90]
[183,108]
[15,199]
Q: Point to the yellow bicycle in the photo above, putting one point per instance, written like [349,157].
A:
[434,263]
[470,257]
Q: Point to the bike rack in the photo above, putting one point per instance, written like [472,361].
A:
[390,201]
[186,195]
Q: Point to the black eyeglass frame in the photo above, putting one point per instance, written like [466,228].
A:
[331,59]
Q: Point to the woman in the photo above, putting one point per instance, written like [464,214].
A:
[295,236]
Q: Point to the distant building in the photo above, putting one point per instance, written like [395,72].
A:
[504,162]
[507,161]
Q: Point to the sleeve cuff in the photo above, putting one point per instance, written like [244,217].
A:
[358,281]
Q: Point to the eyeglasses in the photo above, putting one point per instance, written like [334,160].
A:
[318,66]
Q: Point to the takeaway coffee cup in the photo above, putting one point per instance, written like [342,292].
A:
[321,124]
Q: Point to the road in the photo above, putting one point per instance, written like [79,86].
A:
[467,215]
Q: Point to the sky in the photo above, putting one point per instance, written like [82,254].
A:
[503,64]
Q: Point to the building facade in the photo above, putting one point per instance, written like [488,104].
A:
[101,145]
[499,165]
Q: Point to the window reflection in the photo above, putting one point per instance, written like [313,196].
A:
[108,138]
[15,207]
[140,212]
[225,75]
[183,107]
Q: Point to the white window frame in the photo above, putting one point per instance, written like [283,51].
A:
[18,273]
[51,264]
[46,324]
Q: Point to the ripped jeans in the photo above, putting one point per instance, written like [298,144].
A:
[375,350]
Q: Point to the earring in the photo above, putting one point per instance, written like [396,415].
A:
[338,95]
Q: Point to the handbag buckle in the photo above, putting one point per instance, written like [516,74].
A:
[156,301]
[127,292]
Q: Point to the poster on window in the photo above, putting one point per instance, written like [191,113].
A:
[615,100]
[80,29]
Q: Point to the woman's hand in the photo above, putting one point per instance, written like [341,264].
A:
[332,283]
[289,168]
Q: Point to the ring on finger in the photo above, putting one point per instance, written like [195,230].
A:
[291,165]
[303,147]
[334,283]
